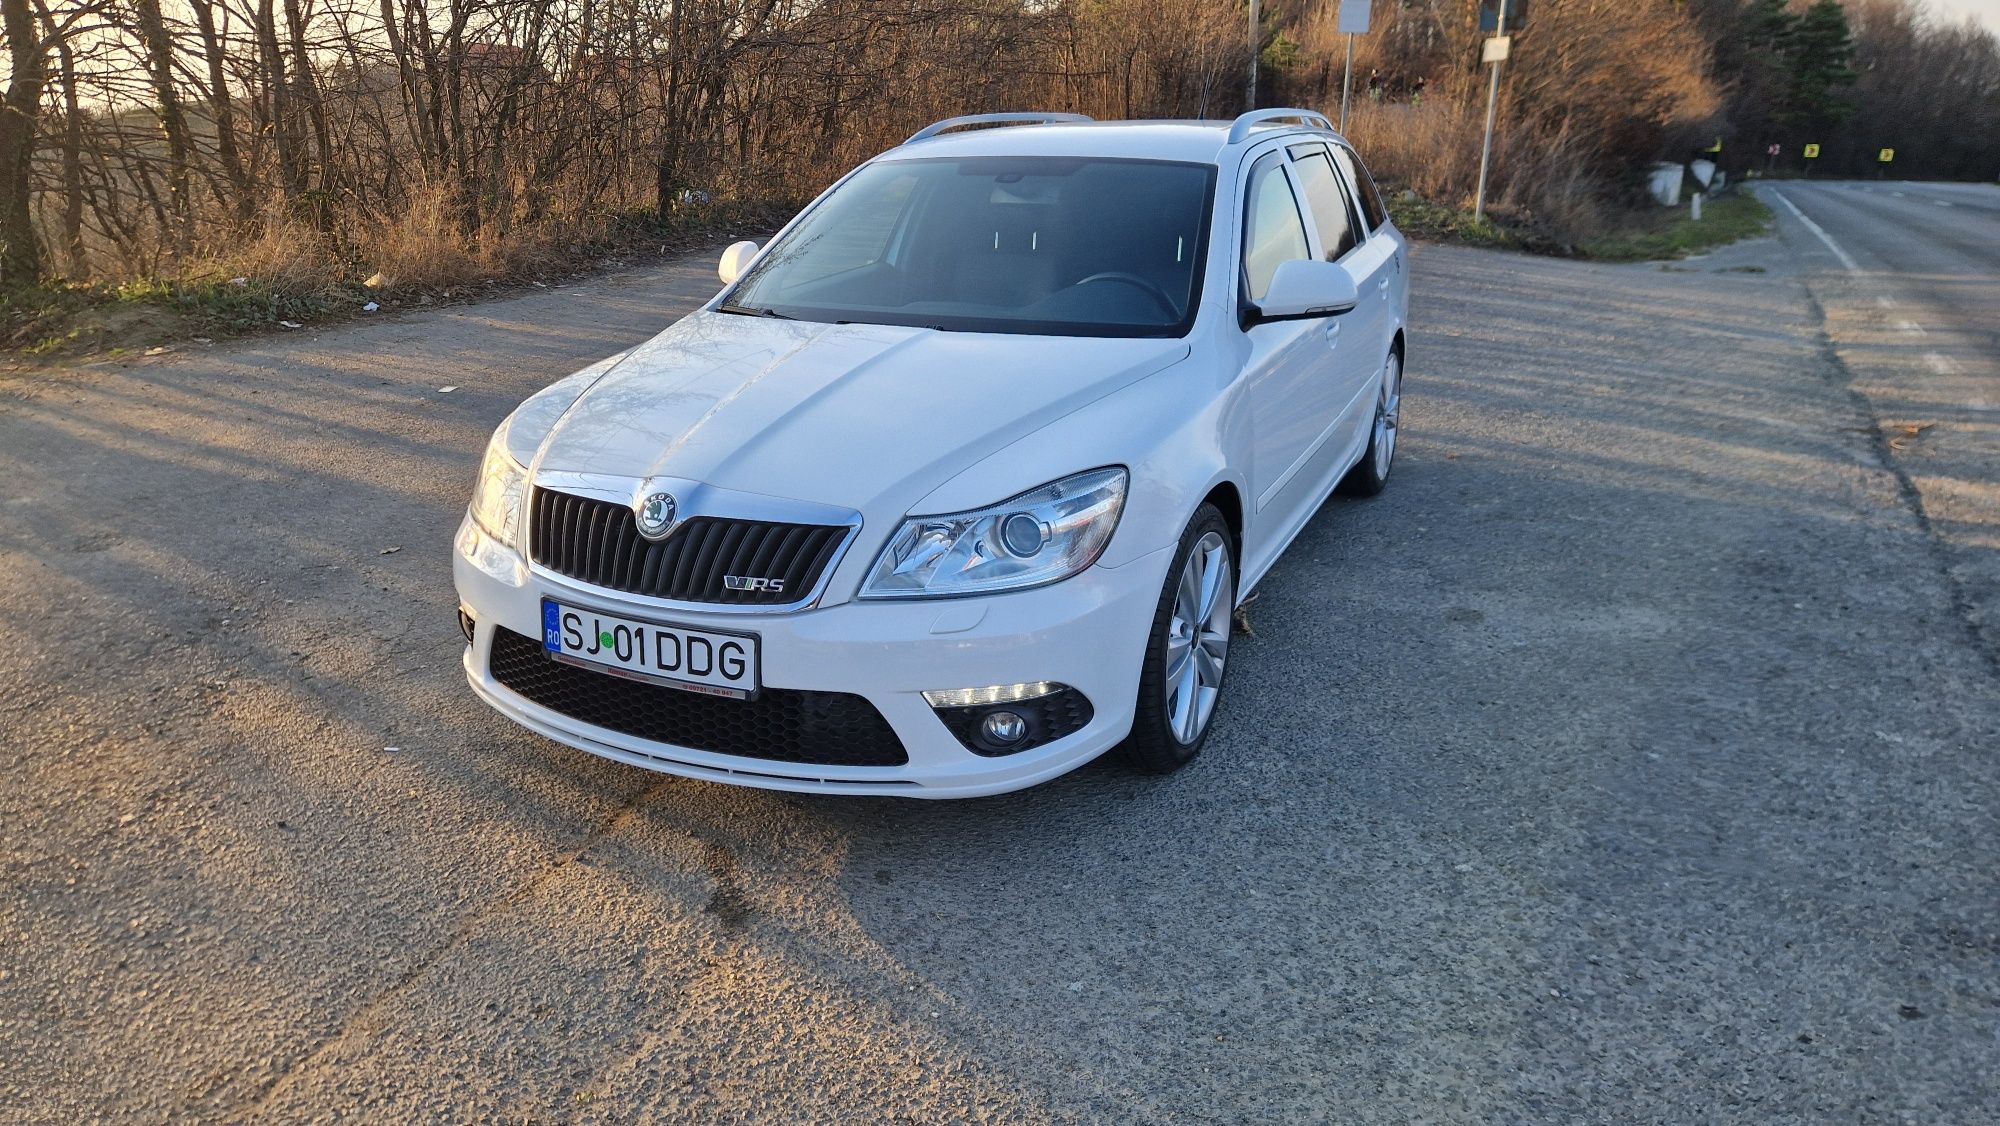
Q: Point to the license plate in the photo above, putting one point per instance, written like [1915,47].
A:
[698,660]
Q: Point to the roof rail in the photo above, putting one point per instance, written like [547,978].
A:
[949,123]
[1246,122]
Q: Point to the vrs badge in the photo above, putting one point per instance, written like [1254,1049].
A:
[753,583]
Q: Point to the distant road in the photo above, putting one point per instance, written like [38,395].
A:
[1908,275]
[1912,229]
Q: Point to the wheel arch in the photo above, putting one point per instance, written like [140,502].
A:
[1228,500]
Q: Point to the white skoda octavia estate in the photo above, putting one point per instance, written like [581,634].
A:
[956,484]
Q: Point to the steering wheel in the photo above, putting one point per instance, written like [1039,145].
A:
[1150,289]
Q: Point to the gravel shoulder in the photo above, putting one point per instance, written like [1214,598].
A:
[1629,759]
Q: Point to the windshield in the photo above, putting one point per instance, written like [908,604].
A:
[1056,246]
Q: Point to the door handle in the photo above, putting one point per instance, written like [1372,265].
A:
[1333,332]
[1382,284]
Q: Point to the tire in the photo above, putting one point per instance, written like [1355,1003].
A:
[1164,736]
[1371,474]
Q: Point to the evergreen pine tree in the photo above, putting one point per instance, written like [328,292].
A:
[1753,54]
[1822,73]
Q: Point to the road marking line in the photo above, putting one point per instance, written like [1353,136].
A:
[1940,364]
[1885,302]
[1898,195]
[1846,259]
[1911,326]
[1942,202]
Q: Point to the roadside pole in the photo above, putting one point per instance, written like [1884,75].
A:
[1347,84]
[1494,52]
[1353,21]
[1250,96]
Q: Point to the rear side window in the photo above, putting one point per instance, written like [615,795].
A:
[1364,186]
[1328,202]
[1273,232]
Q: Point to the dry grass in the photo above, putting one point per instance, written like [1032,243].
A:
[1540,183]
[286,255]
[1432,147]
[290,270]
[424,247]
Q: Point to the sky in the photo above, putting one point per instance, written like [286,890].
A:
[1988,11]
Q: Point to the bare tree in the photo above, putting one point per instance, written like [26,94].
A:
[442,139]
[20,108]
[222,109]
[159,54]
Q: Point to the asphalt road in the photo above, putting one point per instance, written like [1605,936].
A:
[1908,277]
[1630,759]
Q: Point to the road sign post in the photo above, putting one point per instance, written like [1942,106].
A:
[1250,95]
[1496,52]
[1353,21]
[1812,154]
[1489,16]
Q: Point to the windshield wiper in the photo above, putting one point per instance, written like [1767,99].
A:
[752,311]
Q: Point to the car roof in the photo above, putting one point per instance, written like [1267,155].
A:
[1203,142]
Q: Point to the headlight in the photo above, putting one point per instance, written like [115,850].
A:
[496,499]
[1041,536]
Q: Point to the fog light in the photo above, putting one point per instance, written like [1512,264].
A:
[1011,719]
[1004,728]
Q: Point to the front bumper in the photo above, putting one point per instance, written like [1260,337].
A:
[1088,632]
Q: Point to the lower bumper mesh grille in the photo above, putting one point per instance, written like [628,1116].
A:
[780,725]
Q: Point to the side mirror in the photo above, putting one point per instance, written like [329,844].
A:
[1305,287]
[734,259]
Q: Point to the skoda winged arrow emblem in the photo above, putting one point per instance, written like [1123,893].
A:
[656,515]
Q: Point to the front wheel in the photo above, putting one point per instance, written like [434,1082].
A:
[1371,473]
[1181,682]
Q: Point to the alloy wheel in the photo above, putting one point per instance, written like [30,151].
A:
[1387,415]
[1198,637]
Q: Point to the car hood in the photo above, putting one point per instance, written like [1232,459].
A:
[849,415]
